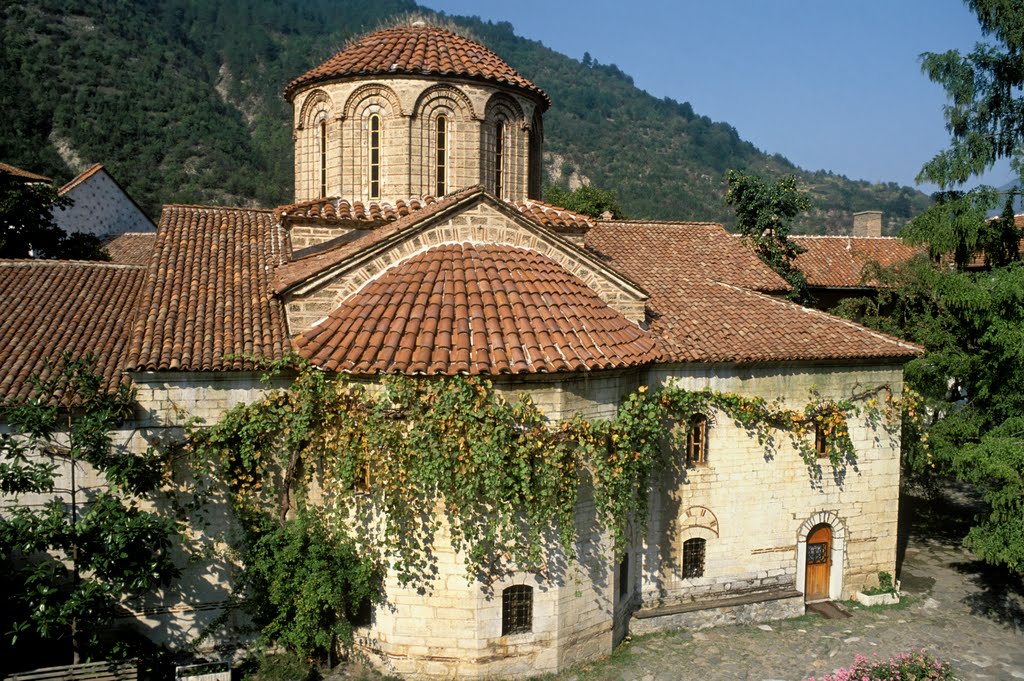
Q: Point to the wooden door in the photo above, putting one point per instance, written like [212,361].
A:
[819,563]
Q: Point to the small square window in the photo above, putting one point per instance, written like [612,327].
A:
[693,558]
[517,610]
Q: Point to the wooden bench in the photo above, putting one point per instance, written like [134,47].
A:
[94,671]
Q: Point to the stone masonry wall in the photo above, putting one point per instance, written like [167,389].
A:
[754,509]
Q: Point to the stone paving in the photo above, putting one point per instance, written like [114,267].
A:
[957,608]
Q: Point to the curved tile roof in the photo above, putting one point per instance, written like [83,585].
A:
[475,309]
[131,248]
[705,305]
[417,50]
[48,307]
[838,261]
[207,292]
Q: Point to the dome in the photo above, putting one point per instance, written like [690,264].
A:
[418,49]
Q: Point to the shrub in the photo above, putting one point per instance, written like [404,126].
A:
[916,665]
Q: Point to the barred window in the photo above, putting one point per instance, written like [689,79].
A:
[375,156]
[517,610]
[693,558]
[696,440]
[820,442]
[323,159]
[499,158]
[441,165]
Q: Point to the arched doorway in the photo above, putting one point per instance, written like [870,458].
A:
[817,578]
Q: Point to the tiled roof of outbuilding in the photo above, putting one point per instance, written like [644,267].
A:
[207,292]
[50,307]
[417,50]
[475,309]
[704,304]
[838,261]
[131,248]
[25,175]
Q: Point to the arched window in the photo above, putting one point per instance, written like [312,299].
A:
[441,186]
[323,159]
[697,440]
[693,558]
[517,610]
[374,156]
[499,158]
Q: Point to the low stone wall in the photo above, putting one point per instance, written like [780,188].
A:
[740,609]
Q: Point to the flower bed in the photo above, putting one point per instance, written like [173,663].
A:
[916,665]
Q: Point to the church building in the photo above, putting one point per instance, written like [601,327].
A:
[418,244]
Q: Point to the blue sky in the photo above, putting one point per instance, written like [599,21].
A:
[830,84]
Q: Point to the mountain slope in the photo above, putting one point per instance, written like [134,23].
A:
[181,100]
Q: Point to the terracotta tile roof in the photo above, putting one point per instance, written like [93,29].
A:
[367,215]
[207,292]
[8,169]
[336,210]
[475,309]
[48,307]
[838,261]
[666,251]
[553,217]
[301,269]
[413,50]
[131,248]
[702,308]
[85,175]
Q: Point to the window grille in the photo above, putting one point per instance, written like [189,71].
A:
[517,610]
[375,156]
[817,553]
[442,157]
[499,158]
[323,159]
[693,558]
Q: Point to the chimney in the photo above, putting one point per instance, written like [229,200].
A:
[867,223]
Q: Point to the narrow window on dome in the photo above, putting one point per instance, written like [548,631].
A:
[499,158]
[442,156]
[375,156]
[323,159]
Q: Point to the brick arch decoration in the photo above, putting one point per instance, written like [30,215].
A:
[839,537]
[372,91]
[315,102]
[698,521]
[452,97]
[500,103]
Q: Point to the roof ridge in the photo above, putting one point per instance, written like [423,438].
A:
[27,262]
[207,207]
[80,178]
[671,223]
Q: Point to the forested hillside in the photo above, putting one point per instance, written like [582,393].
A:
[181,100]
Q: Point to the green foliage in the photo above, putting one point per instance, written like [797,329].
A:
[586,199]
[396,460]
[764,216]
[70,560]
[27,228]
[305,585]
[174,97]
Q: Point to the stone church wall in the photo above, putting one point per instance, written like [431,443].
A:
[754,509]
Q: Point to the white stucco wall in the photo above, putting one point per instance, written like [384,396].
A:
[101,208]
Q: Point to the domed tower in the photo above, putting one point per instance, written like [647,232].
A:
[415,110]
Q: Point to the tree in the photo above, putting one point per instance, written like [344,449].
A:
[72,553]
[764,216]
[27,227]
[971,323]
[586,199]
